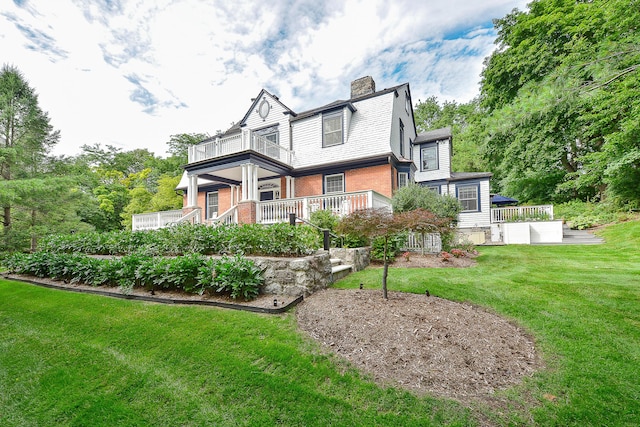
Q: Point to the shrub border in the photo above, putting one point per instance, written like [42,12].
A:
[232,306]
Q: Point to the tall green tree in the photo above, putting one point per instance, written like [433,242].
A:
[26,136]
[561,94]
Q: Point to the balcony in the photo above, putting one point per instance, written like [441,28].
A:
[244,141]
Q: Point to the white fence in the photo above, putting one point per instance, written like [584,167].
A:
[521,213]
[238,143]
[340,204]
[430,242]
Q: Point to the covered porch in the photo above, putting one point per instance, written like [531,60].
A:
[270,211]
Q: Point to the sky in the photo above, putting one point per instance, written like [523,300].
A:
[131,73]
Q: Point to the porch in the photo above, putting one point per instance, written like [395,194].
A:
[269,212]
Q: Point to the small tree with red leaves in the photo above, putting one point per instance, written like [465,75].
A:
[372,223]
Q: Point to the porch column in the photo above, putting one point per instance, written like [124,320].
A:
[192,192]
[249,182]
[291,191]
[254,182]
[245,184]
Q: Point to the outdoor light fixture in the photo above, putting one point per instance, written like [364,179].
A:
[275,302]
[360,285]
[426,292]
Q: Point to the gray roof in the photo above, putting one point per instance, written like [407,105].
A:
[461,176]
[434,135]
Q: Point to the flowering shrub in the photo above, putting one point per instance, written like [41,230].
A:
[458,253]
[446,256]
[406,256]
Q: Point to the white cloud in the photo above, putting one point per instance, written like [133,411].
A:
[131,73]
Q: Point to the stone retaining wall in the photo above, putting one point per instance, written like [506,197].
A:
[295,276]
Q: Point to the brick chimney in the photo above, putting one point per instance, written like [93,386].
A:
[362,86]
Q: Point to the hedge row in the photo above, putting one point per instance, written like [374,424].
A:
[249,239]
[194,273]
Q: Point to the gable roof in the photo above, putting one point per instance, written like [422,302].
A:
[257,99]
[344,103]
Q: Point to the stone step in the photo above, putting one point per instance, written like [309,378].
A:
[340,271]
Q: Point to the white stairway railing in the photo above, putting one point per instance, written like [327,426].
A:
[340,204]
[521,213]
[230,216]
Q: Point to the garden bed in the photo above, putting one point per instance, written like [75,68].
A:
[264,303]
[422,343]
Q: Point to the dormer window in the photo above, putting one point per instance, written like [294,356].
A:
[429,157]
[332,129]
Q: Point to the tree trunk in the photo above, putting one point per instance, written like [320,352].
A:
[385,270]
[34,239]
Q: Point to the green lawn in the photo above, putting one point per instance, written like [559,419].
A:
[73,359]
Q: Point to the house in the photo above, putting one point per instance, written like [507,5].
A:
[343,156]
[433,151]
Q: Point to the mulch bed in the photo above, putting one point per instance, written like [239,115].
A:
[422,343]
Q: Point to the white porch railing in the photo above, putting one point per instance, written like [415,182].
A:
[521,213]
[230,216]
[340,204]
[155,220]
[238,143]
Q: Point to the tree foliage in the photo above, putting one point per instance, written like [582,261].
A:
[25,139]
[465,123]
[562,95]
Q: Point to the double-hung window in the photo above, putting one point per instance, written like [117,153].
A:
[429,158]
[468,197]
[403,179]
[334,183]
[332,129]
[212,205]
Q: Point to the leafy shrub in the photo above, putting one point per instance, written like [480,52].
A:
[238,276]
[458,253]
[394,246]
[255,239]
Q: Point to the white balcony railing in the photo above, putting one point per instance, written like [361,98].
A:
[521,213]
[237,143]
[340,204]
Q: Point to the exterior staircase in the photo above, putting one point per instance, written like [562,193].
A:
[339,270]
[579,237]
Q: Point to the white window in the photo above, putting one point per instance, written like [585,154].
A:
[334,183]
[468,197]
[212,205]
[429,158]
[332,129]
[407,103]
[403,179]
